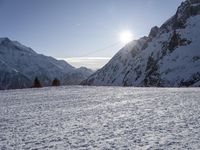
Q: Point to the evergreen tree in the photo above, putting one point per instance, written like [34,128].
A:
[56,82]
[37,83]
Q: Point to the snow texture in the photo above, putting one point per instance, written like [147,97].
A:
[75,117]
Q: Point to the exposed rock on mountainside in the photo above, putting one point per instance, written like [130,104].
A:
[169,56]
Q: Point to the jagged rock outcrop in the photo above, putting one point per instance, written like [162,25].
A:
[154,31]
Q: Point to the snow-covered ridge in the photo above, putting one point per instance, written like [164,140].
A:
[169,56]
[20,65]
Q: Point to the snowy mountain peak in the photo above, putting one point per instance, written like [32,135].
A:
[20,65]
[185,10]
[7,45]
[5,41]
[169,56]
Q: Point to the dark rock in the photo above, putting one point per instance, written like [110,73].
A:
[154,31]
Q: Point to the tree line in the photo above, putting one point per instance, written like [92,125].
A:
[37,83]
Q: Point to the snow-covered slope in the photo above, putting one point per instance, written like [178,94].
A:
[169,56]
[100,118]
[19,65]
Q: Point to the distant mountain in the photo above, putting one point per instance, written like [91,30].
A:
[20,65]
[168,57]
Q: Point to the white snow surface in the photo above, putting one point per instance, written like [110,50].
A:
[76,117]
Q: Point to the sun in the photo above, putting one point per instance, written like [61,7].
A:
[126,36]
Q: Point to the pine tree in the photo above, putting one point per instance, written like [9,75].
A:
[56,82]
[37,83]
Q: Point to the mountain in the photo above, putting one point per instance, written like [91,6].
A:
[168,57]
[20,65]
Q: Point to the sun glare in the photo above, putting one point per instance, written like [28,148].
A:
[126,36]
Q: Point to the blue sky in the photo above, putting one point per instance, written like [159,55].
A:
[75,28]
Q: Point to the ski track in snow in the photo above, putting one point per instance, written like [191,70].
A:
[76,117]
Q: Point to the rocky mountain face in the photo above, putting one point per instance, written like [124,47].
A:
[20,65]
[168,57]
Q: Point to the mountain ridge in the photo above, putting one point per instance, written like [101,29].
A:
[168,57]
[20,65]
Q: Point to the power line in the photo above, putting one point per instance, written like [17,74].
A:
[102,49]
